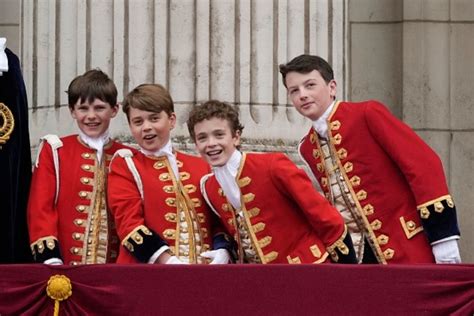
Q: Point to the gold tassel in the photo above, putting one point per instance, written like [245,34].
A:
[59,289]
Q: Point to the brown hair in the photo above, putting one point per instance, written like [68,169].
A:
[211,109]
[93,84]
[305,64]
[148,97]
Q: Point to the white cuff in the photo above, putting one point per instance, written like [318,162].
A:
[446,251]
[53,261]
[157,254]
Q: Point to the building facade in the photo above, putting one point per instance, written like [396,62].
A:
[413,55]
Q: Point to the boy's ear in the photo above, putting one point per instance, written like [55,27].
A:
[172,120]
[115,109]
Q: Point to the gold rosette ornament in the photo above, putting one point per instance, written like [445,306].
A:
[59,289]
[7,123]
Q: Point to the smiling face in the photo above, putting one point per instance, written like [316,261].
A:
[309,93]
[151,130]
[93,119]
[214,140]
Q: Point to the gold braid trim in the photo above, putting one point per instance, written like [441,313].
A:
[136,237]
[41,242]
[340,245]
[437,204]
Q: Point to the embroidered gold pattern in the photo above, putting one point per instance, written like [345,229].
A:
[320,167]
[164,177]
[190,188]
[81,208]
[389,253]
[312,138]
[170,201]
[220,192]
[244,182]
[424,213]
[269,257]
[168,188]
[8,123]
[337,139]
[410,228]
[159,165]
[253,212]
[348,167]
[170,233]
[258,227]
[316,153]
[383,239]
[295,260]
[184,176]
[376,224]
[342,153]
[361,195]
[249,197]
[170,217]
[86,155]
[196,202]
[368,209]
[324,181]
[438,206]
[315,251]
[335,125]
[355,181]
[265,241]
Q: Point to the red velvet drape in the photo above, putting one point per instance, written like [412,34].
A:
[242,290]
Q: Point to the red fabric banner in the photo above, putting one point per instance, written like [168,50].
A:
[242,290]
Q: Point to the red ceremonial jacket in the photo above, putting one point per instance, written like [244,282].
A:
[291,222]
[157,211]
[395,178]
[77,227]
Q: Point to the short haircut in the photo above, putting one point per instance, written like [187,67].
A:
[211,109]
[148,97]
[93,84]
[305,64]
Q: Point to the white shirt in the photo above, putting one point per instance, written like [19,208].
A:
[226,176]
[166,150]
[96,143]
[321,124]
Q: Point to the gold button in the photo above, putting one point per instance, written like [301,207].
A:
[79,222]
[75,251]
[77,236]
[40,246]
[87,155]
[85,180]
[81,208]
[82,194]
[89,253]
[87,167]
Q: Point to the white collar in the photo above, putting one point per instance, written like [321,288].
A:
[321,125]
[96,143]
[232,165]
[226,176]
[3,56]
[166,150]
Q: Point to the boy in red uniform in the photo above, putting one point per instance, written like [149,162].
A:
[267,203]
[154,193]
[388,184]
[68,220]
